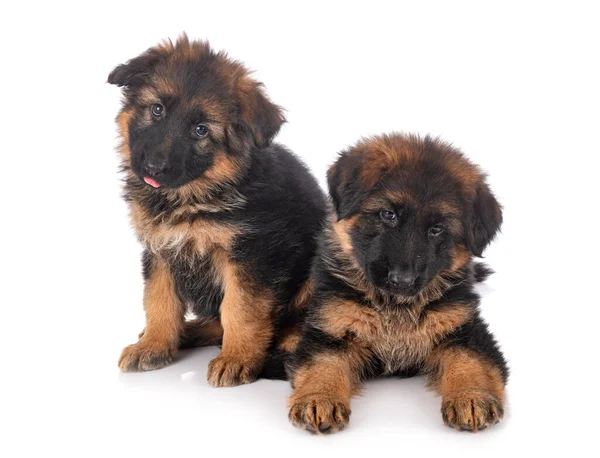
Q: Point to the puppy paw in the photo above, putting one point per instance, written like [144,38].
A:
[144,357]
[319,413]
[231,371]
[471,409]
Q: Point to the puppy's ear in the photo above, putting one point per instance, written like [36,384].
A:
[136,71]
[260,118]
[485,220]
[345,186]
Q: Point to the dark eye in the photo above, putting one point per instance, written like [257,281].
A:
[436,230]
[201,130]
[387,215]
[157,109]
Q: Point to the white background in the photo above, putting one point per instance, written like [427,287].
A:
[514,85]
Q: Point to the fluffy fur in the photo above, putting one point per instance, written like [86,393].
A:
[226,217]
[394,285]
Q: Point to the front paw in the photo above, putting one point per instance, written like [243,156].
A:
[471,409]
[143,356]
[231,371]
[319,413]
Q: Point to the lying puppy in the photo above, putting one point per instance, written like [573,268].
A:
[227,219]
[393,285]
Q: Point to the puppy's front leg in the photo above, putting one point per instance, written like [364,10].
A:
[323,387]
[164,320]
[472,388]
[246,317]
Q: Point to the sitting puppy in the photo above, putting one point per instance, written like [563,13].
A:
[393,285]
[227,219]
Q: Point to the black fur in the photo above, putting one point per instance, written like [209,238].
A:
[227,176]
[481,271]
[426,214]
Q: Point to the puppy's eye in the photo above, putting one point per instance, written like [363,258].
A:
[157,109]
[436,230]
[387,215]
[201,130]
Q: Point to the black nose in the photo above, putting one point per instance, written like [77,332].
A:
[401,278]
[155,167]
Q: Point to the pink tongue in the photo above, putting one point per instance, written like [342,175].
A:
[151,182]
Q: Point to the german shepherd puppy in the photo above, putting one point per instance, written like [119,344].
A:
[227,218]
[393,285]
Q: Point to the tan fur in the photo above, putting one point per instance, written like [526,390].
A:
[225,169]
[461,258]
[342,230]
[201,332]
[383,201]
[250,93]
[165,86]
[396,196]
[335,373]
[383,153]
[459,369]
[247,327]
[204,235]
[303,297]
[446,208]
[164,323]
[464,172]
[211,107]
[123,120]
[147,95]
[472,388]
[396,336]
[290,339]
[322,391]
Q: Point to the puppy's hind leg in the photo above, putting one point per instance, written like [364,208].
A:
[198,333]
[201,333]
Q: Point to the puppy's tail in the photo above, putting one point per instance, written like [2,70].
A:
[481,271]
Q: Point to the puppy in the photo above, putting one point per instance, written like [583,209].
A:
[227,219]
[393,285]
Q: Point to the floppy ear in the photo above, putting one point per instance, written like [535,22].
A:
[345,186]
[136,71]
[485,220]
[259,117]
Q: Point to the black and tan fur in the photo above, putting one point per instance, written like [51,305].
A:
[394,285]
[226,217]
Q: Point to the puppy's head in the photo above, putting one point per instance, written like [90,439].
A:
[190,113]
[410,209]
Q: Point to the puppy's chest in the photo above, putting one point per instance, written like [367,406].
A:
[199,282]
[396,337]
[200,237]
[398,341]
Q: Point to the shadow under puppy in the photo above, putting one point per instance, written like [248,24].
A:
[227,218]
[394,285]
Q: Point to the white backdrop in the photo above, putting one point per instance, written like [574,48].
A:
[513,84]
